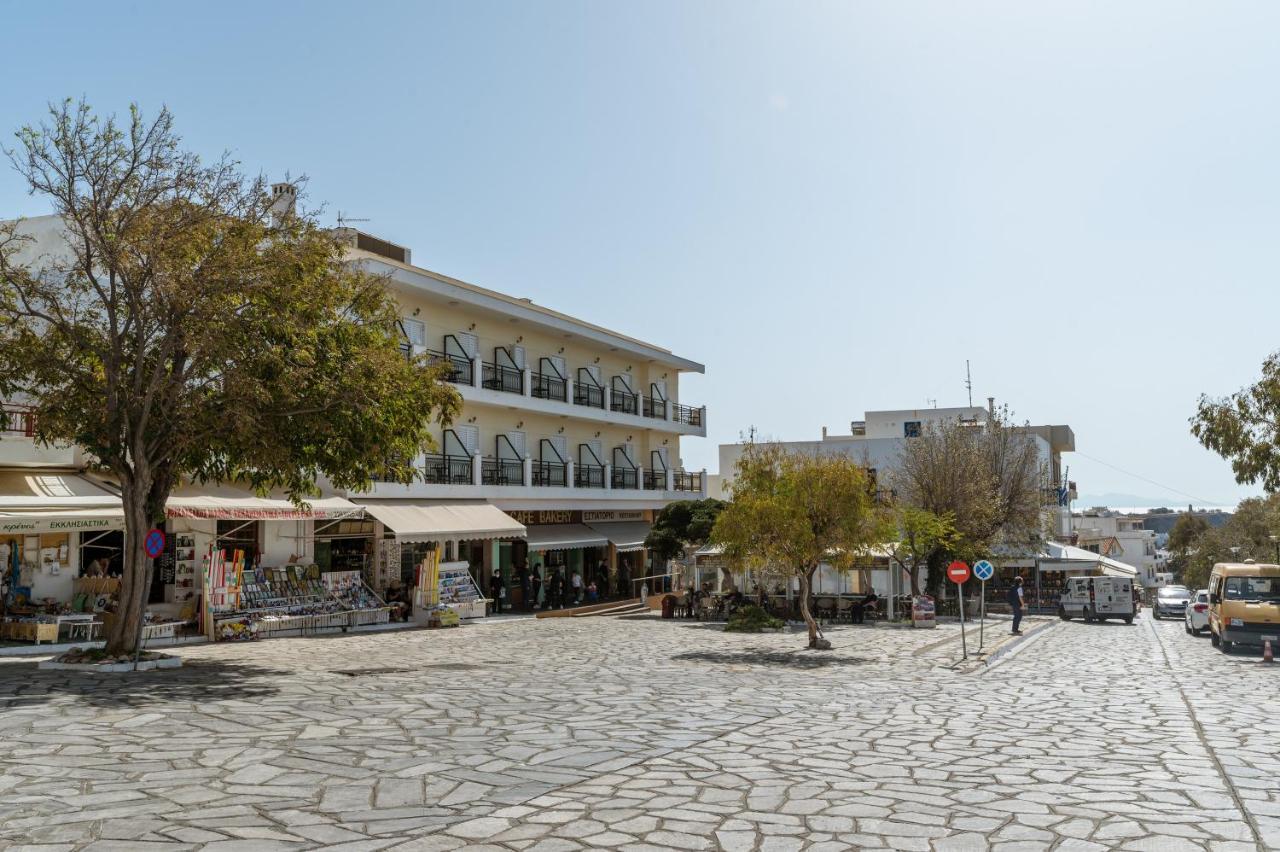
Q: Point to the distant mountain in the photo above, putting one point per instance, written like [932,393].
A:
[1117,500]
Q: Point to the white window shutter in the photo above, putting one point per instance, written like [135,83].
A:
[469,436]
[469,342]
[517,440]
[594,372]
[558,365]
[518,357]
[659,389]
[662,455]
[561,445]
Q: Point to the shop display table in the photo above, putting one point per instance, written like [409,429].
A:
[30,631]
[80,625]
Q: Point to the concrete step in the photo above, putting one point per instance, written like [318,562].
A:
[606,608]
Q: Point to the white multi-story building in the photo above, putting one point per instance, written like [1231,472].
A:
[1120,537]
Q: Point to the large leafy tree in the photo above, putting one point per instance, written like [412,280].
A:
[987,476]
[1244,428]
[682,524]
[921,533]
[792,511]
[181,330]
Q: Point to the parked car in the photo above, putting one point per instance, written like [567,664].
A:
[1244,605]
[1097,599]
[1171,601]
[1197,618]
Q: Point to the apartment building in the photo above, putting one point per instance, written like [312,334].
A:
[1121,537]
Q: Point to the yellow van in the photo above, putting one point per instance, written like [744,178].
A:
[1244,605]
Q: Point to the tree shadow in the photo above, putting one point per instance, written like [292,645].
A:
[798,659]
[23,684]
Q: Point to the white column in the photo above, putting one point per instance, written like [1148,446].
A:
[476,372]
[528,470]
[568,474]
[476,469]
[704,482]
[608,473]
[671,480]
[608,398]
[528,381]
[568,391]
[671,411]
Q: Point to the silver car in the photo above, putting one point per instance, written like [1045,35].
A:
[1171,601]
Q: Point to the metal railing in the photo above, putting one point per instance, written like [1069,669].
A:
[625,477]
[655,408]
[683,480]
[655,480]
[499,378]
[459,370]
[624,402]
[588,476]
[552,474]
[17,420]
[686,414]
[588,395]
[441,469]
[501,471]
[550,387]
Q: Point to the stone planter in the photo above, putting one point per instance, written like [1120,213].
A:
[112,668]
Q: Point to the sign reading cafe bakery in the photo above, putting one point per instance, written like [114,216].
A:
[533,518]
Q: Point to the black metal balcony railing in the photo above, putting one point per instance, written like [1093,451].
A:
[624,477]
[655,480]
[655,408]
[588,476]
[501,471]
[686,414]
[550,387]
[499,378]
[16,420]
[624,402]
[447,470]
[588,395]
[550,474]
[459,369]
[683,480]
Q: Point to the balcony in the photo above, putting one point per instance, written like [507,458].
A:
[588,476]
[686,414]
[447,470]
[624,402]
[683,480]
[624,478]
[460,370]
[655,480]
[17,420]
[499,378]
[588,396]
[550,387]
[655,409]
[550,474]
[501,471]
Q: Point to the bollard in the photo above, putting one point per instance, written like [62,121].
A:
[1266,652]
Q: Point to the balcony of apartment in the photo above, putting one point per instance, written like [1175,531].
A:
[18,447]
[500,381]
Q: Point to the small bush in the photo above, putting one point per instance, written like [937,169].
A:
[752,619]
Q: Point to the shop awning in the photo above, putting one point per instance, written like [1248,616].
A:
[39,501]
[564,537]
[417,521]
[626,536]
[1066,557]
[227,502]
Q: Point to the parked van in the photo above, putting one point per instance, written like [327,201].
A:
[1097,599]
[1244,605]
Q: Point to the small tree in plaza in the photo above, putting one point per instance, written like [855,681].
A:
[682,524]
[921,533]
[792,511]
[185,331]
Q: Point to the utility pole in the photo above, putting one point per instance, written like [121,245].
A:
[968,381]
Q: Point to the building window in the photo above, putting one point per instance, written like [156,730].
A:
[415,331]
[911,429]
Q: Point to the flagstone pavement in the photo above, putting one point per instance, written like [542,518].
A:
[570,734]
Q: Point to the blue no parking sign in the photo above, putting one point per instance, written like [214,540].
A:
[983,570]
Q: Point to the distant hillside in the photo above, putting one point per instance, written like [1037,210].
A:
[1164,523]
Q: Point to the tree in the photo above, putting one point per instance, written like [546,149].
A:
[186,332]
[793,511]
[1244,428]
[987,476]
[1184,537]
[682,523]
[921,533]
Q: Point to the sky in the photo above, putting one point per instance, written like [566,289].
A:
[831,205]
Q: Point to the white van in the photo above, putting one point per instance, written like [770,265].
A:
[1097,599]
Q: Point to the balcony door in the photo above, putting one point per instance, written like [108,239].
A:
[462,441]
[658,390]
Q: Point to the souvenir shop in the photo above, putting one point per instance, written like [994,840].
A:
[250,563]
[60,540]
[444,553]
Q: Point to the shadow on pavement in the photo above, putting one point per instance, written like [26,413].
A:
[22,684]
[798,659]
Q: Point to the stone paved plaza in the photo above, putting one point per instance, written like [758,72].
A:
[642,734]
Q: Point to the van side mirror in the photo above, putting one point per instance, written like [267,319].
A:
[1213,598]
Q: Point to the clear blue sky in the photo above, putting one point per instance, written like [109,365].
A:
[831,205]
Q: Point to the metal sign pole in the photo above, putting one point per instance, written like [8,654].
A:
[982,622]
[964,646]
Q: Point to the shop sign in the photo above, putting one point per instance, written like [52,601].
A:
[543,516]
[60,525]
[596,517]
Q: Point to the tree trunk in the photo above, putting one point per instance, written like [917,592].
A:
[937,567]
[135,581]
[915,579]
[816,642]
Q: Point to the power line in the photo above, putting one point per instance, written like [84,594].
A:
[1148,481]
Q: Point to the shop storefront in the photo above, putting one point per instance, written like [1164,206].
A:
[603,548]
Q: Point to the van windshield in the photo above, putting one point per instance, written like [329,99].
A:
[1253,589]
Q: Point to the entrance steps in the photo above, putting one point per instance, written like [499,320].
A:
[623,607]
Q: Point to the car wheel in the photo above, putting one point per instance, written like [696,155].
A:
[1186,625]
[1155,613]
[1225,645]
[1062,613]
[1128,619]
[1213,639]
[1196,631]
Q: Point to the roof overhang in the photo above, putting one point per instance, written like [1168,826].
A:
[413,521]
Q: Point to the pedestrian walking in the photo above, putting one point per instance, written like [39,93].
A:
[1015,604]
[496,591]
[576,582]
[535,588]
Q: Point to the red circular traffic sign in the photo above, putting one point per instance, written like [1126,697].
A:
[154,543]
[957,572]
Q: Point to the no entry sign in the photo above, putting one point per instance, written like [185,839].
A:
[957,572]
[154,543]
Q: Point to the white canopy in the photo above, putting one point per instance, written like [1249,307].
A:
[1066,557]
[626,536]
[227,502]
[412,521]
[564,537]
[42,501]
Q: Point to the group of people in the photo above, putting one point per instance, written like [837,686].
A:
[556,590]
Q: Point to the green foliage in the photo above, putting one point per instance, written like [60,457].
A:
[750,618]
[1244,428]
[920,533]
[682,523]
[1197,546]
[181,332]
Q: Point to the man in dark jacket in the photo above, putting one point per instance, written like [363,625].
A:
[1015,604]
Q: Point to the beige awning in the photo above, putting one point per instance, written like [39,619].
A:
[418,521]
[626,536]
[564,537]
[40,501]
[227,502]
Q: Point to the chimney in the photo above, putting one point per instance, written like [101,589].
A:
[284,201]
[824,433]
[991,407]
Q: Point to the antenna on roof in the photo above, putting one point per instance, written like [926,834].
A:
[968,380]
[931,402]
[343,220]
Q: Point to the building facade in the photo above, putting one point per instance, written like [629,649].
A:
[1121,537]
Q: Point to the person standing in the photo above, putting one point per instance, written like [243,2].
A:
[577,586]
[526,588]
[1015,604]
[496,591]
[535,587]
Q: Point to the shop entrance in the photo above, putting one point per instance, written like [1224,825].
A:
[102,554]
[345,545]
